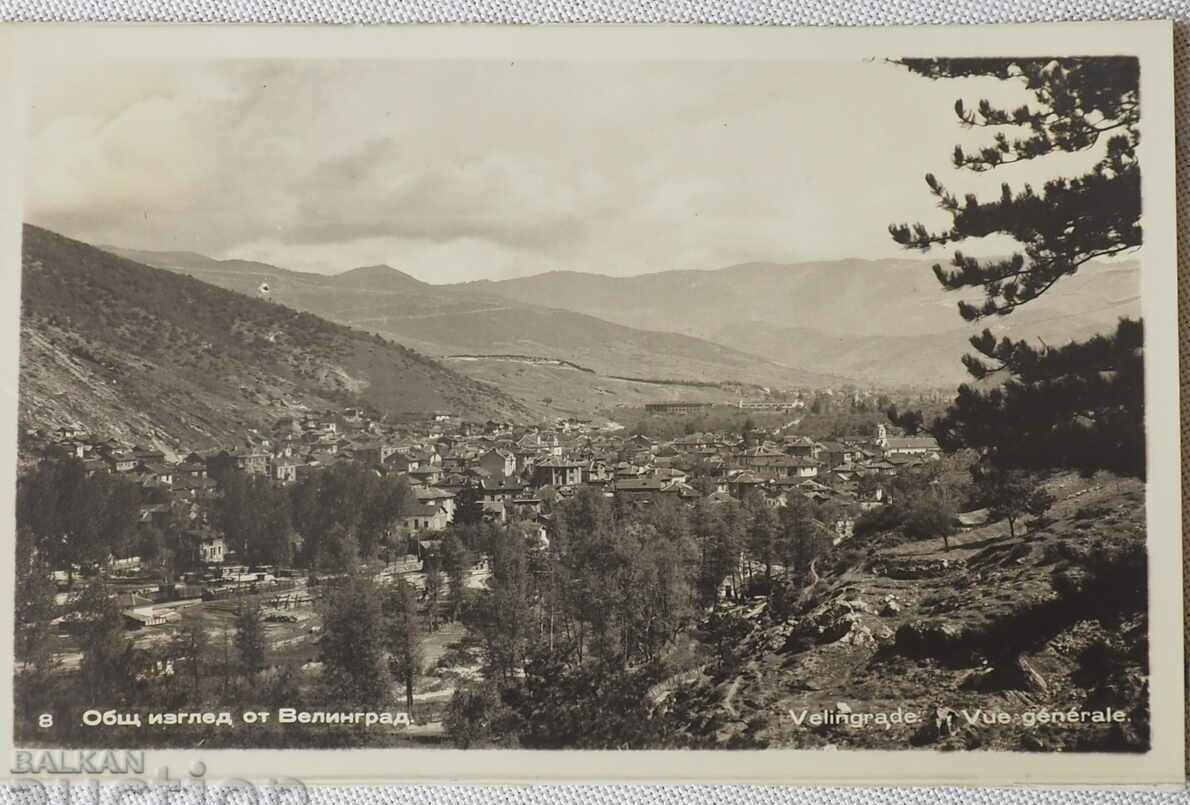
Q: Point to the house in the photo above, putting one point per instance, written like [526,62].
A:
[676,408]
[526,507]
[500,489]
[638,488]
[148,455]
[758,456]
[254,462]
[427,476]
[203,546]
[283,470]
[425,517]
[557,472]
[639,441]
[437,496]
[541,441]
[373,453]
[742,483]
[924,446]
[836,453]
[140,617]
[153,474]
[800,467]
[693,441]
[801,446]
[190,469]
[597,471]
[454,461]
[498,462]
[399,463]
[121,461]
[683,491]
[75,449]
[669,475]
[494,511]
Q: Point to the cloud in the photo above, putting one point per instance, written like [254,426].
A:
[465,170]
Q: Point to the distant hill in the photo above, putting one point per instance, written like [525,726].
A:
[444,320]
[132,351]
[885,321]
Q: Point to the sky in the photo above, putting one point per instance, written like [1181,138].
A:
[457,171]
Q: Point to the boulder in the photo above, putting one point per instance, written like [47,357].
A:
[836,620]
[931,638]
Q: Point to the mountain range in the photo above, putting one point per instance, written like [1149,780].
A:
[148,356]
[884,322]
[880,321]
[449,320]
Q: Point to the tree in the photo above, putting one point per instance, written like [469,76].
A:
[468,506]
[255,517]
[456,561]
[353,642]
[1081,405]
[106,670]
[346,499]
[76,518]
[800,540]
[339,550]
[503,618]
[249,640]
[909,421]
[1011,494]
[928,517]
[385,502]
[1076,103]
[404,637]
[189,646]
[476,716]
[34,611]
[764,537]
[433,591]
[724,631]
[34,607]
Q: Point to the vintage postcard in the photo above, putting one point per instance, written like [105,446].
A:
[706,404]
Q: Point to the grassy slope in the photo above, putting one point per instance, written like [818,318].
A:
[1068,599]
[442,320]
[131,350]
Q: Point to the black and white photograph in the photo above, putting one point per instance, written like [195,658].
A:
[569,403]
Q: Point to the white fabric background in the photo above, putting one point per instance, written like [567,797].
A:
[746,12]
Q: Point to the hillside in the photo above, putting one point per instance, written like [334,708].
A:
[128,350]
[1050,621]
[885,321]
[445,320]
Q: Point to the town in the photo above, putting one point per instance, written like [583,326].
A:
[517,473]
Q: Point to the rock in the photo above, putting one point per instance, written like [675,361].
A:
[883,632]
[925,638]
[1032,679]
[858,635]
[891,606]
[836,620]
